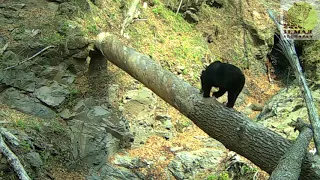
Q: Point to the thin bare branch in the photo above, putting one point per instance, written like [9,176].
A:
[2,50]
[44,49]
[179,7]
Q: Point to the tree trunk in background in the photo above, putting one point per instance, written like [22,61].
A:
[235,131]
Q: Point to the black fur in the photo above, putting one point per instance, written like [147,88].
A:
[226,77]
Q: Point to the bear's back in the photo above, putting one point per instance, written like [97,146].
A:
[226,75]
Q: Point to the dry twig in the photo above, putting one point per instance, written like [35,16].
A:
[29,57]
[179,7]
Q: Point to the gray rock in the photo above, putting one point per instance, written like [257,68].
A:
[24,103]
[10,58]
[167,124]
[175,149]
[67,9]
[58,75]
[140,105]
[256,107]
[26,81]
[113,94]
[94,176]
[284,107]
[96,132]
[129,162]
[52,95]
[16,6]
[53,6]
[162,117]
[90,143]
[97,112]
[66,114]
[191,17]
[49,72]
[77,42]
[81,55]
[187,164]
[166,135]
[84,104]
[108,172]
[125,161]
[34,159]
[80,106]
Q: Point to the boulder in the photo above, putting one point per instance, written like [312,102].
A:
[286,106]
[140,106]
[52,95]
[34,159]
[26,81]
[112,173]
[97,132]
[21,101]
[187,164]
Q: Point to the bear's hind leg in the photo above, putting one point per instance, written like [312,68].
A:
[232,97]
[219,93]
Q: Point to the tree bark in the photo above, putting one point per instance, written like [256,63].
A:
[10,137]
[235,131]
[289,166]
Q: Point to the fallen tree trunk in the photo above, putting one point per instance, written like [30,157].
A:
[289,166]
[235,131]
[13,160]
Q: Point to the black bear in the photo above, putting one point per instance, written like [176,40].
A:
[226,77]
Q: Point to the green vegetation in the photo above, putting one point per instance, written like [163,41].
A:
[221,176]
[74,91]
[24,144]
[187,123]
[247,170]
[29,123]
[168,38]
[312,52]
[21,124]
[53,38]
[303,14]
